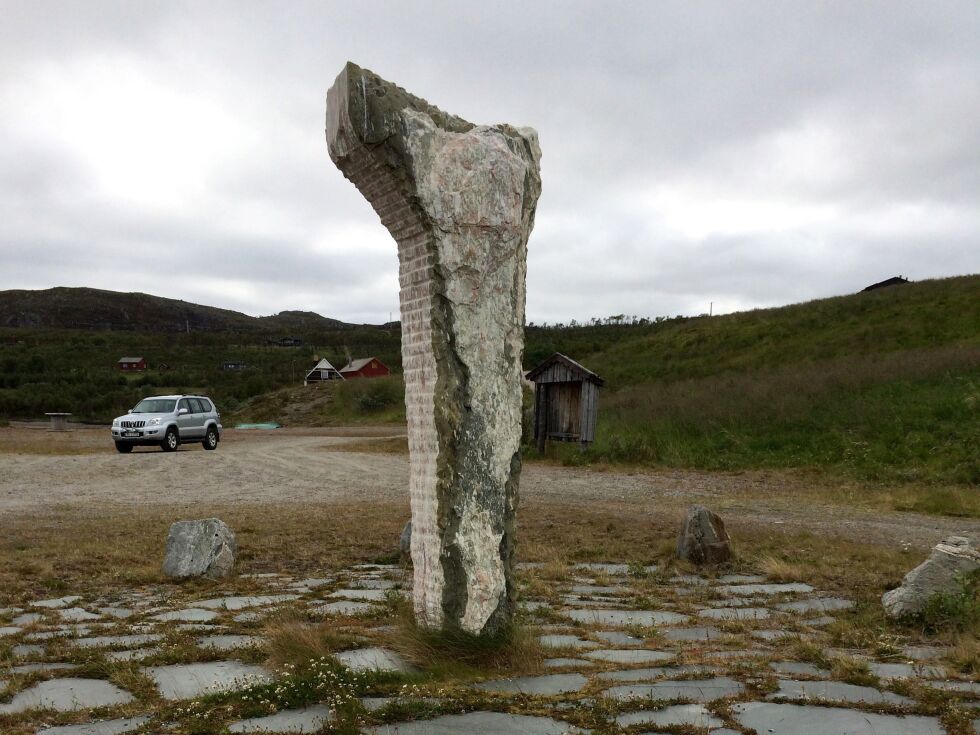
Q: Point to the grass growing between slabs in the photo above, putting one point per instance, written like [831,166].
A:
[72,552]
[454,654]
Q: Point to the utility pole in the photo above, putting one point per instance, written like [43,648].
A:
[711,309]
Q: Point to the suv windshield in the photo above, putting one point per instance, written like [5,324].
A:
[155,405]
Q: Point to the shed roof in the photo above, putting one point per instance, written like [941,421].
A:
[583,372]
[130,359]
[324,364]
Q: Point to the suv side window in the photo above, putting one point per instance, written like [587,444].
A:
[206,405]
[195,405]
[184,403]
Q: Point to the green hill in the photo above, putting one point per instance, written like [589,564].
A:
[59,347]
[883,385]
[879,386]
[95,309]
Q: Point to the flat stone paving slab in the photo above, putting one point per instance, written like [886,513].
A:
[372,659]
[129,654]
[771,635]
[835,691]
[905,671]
[27,619]
[697,690]
[794,719]
[57,602]
[479,723]
[766,589]
[925,653]
[819,604]
[185,681]
[187,615]
[9,630]
[240,603]
[547,685]
[734,613]
[966,687]
[565,641]
[102,727]
[344,607]
[120,613]
[107,641]
[617,638]
[694,715]
[30,668]
[230,642]
[24,650]
[699,633]
[77,615]
[358,594]
[596,589]
[656,672]
[630,656]
[622,618]
[798,668]
[64,631]
[375,584]
[563,663]
[611,569]
[306,720]
[741,579]
[67,695]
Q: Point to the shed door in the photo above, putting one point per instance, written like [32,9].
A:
[564,410]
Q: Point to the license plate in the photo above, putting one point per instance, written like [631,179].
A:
[131,433]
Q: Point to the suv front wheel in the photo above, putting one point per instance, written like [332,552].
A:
[170,440]
[124,448]
[211,438]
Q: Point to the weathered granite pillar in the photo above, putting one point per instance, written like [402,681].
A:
[459,199]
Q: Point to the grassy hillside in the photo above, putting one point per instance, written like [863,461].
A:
[74,370]
[882,385]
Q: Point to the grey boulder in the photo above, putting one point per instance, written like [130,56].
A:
[202,548]
[703,538]
[949,561]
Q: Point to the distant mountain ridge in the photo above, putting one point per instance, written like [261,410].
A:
[96,309]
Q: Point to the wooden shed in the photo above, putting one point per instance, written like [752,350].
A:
[566,400]
[131,363]
[365,367]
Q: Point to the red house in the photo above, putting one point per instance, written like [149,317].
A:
[131,363]
[368,367]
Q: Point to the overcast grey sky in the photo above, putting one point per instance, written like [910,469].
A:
[745,153]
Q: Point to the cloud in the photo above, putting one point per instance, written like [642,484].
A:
[744,154]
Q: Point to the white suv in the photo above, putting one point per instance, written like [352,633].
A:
[167,422]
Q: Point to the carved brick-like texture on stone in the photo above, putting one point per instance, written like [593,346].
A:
[459,199]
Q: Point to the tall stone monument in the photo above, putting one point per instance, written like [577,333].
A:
[459,199]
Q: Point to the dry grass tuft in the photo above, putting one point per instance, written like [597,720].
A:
[806,650]
[294,641]
[459,654]
[853,671]
[781,570]
[965,654]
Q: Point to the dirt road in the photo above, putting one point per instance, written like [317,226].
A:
[293,467]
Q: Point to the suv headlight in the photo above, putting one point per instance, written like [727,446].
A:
[115,421]
[153,422]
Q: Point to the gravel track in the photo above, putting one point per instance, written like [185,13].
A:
[305,467]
